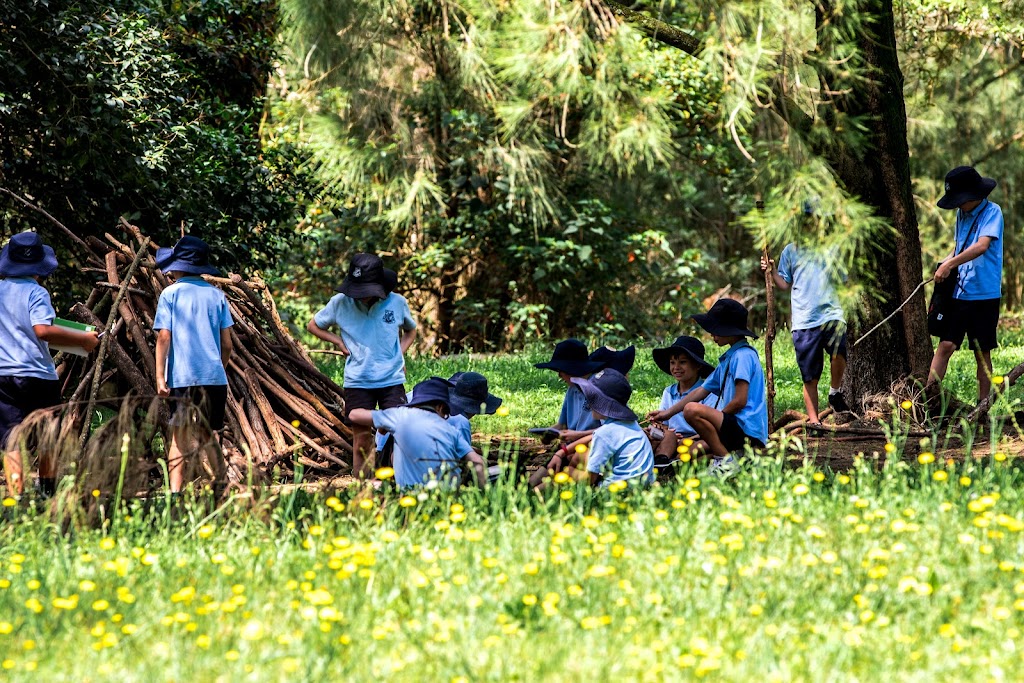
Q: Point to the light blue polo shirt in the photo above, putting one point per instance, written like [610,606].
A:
[23,304]
[813,297]
[426,445]
[620,450]
[741,362]
[576,413]
[981,278]
[672,396]
[372,335]
[195,312]
[461,422]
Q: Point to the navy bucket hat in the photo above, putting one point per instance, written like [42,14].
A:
[367,277]
[964,184]
[727,318]
[608,392]
[570,357]
[25,255]
[189,255]
[617,360]
[433,390]
[470,396]
[683,345]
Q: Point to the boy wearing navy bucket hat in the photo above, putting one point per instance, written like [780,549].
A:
[28,378]
[975,268]
[193,346]
[740,416]
[684,361]
[429,449]
[376,328]
[619,450]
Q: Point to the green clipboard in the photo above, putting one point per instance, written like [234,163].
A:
[77,327]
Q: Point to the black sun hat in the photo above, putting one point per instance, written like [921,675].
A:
[470,395]
[683,345]
[26,256]
[727,318]
[570,357]
[617,360]
[433,390]
[964,184]
[367,277]
[608,392]
[189,255]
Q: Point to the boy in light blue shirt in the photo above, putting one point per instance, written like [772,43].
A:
[428,448]
[193,345]
[620,450]
[376,329]
[28,378]
[741,417]
[684,360]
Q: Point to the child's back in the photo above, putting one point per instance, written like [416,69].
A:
[195,312]
[623,446]
[427,446]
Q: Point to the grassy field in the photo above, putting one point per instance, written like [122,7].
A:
[907,571]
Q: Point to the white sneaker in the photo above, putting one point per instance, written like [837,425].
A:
[722,468]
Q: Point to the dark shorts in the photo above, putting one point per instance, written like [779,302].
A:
[210,401]
[732,435]
[372,399]
[20,396]
[977,320]
[812,345]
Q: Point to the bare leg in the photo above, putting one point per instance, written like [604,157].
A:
[540,476]
[176,458]
[984,360]
[12,468]
[668,444]
[210,446]
[810,400]
[837,369]
[940,362]
[362,449]
[707,421]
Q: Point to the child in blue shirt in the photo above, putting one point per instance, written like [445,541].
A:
[428,448]
[193,346]
[376,329]
[619,450]
[741,415]
[684,360]
[28,378]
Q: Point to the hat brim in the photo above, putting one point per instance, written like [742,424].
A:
[602,403]
[573,368]
[663,355]
[167,263]
[42,268]
[716,327]
[463,405]
[953,200]
[621,360]
[362,290]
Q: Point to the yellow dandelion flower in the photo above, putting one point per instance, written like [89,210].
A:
[296,424]
[581,448]
[907,405]
[95,493]
[926,458]
[800,489]
[407,501]
[999,456]
[998,379]
[940,475]
[565,495]
[384,473]
[367,504]
[561,478]
[9,502]
[502,411]
[890,448]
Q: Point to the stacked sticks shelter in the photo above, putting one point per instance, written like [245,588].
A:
[282,412]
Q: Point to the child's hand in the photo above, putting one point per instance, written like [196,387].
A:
[89,341]
[658,416]
[767,263]
[162,389]
[341,347]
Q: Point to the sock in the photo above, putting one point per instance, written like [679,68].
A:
[48,485]
[832,391]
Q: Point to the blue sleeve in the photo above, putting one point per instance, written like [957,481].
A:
[993,225]
[746,366]
[600,453]
[563,417]
[408,322]
[463,445]
[162,319]
[713,383]
[666,398]
[787,263]
[225,314]
[328,315]
[40,309]
[389,420]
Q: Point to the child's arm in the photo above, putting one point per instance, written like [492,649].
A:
[407,338]
[361,417]
[226,346]
[479,468]
[63,336]
[697,394]
[595,480]
[570,436]
[163,345]
[328,337]
[780,282]
[739,398]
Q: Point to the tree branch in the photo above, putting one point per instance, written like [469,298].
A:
[998,148]
[656,29]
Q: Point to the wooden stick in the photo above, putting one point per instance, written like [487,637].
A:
[983,406]
[769,333]
[68,233]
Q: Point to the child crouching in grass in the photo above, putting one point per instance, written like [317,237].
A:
[684,360]
[738,380]
[619,450]
[428,448]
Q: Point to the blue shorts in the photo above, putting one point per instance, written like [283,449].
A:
[20,396]
[812,345]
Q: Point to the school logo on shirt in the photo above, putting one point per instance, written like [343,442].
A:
[389,316]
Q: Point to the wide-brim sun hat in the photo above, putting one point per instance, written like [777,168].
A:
[617,360]
[433,390]
[727,318]
[683,345]
[570,357]
[25,255]
[367,278]
[608,392]
[470,395]
[964,184]
[189,255]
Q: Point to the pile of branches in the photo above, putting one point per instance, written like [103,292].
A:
[281,412]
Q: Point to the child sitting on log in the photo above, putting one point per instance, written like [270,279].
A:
[684,360]
[376,329]
[193,346]
[28,378]
[428,448]
[741,415]
[619,450]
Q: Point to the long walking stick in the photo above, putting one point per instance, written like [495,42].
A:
[769,334]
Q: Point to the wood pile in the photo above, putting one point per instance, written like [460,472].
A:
[281,409]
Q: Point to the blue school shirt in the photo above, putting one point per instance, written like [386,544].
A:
[981,278]
[672,396]
[741,362]
[195,312]
[461,422]
[426,445]
[620,450]
[372,337]
[813,298]
[576,413]
[23,304]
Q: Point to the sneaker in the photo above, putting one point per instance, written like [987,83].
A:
[722,468]
[838,403]
[661,461]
